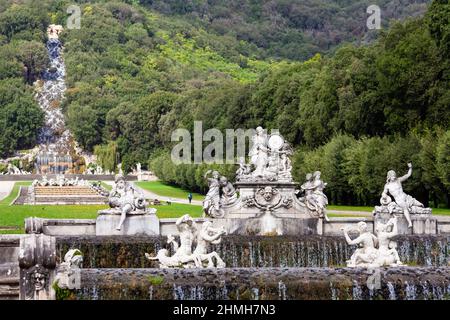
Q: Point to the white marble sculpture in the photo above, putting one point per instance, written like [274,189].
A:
[211,204]
[244,171]
[126,199]
[68,275]
[374,251]
[229,195]
[366,254]
[183,256]
[269,156]
[387,252]
[314,197]
[401,202]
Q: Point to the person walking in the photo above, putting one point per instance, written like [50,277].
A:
[190,197]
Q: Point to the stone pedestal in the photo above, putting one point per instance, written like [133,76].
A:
[421,223]
[135,224]
[268,208]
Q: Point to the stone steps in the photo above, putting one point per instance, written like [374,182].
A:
[58,191]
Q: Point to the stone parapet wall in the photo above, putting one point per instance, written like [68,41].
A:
[402,283]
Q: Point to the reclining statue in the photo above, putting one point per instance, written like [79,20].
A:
[402,201]
[368,255]
[125,198]
[184,257]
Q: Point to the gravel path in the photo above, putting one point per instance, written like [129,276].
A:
[5,188]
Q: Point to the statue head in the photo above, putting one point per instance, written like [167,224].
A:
[120,181]
[362,226]
[309,176]
[39,280]
[268,193]
[215,174]
[223,181]
[316,175]
[259,131]
[391,176]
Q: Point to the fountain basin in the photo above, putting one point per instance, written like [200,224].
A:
[252,251]
[401,283]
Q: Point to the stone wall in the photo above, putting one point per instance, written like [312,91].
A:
[403,283]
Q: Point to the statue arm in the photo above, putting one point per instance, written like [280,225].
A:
[406,176]
[350,241]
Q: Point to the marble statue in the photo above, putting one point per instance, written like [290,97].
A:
[259,153]
[126,198]
[12,169]
[184,257]
[402,202]
[211,204]
[367,253]
[269,158]
[315,199]
[244,170]
[68,275]
[208,235]
[138,168]
[374,251]
[229,195]
[387,252]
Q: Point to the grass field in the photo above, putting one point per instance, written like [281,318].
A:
[14,216]
[165,190]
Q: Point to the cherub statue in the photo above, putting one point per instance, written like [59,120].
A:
[394,188]
[229,195]
[244,170]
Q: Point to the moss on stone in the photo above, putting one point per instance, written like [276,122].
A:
[62,294]
[155,280]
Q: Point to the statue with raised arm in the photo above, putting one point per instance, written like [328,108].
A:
[393,187]
[366,254]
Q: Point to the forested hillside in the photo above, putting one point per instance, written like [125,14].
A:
[138,70]
[292,29]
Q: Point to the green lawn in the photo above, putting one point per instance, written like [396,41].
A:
[350,208]
[14,192]
[165,190]
[14,216]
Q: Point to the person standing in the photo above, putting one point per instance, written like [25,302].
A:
[190,197]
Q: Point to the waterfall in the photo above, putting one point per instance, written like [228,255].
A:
[391,288]
[54,139]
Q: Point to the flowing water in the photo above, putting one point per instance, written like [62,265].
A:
[54,140]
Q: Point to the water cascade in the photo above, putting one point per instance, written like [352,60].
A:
[54,140]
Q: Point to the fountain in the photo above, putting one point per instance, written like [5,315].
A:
[261,238]
[54,140]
